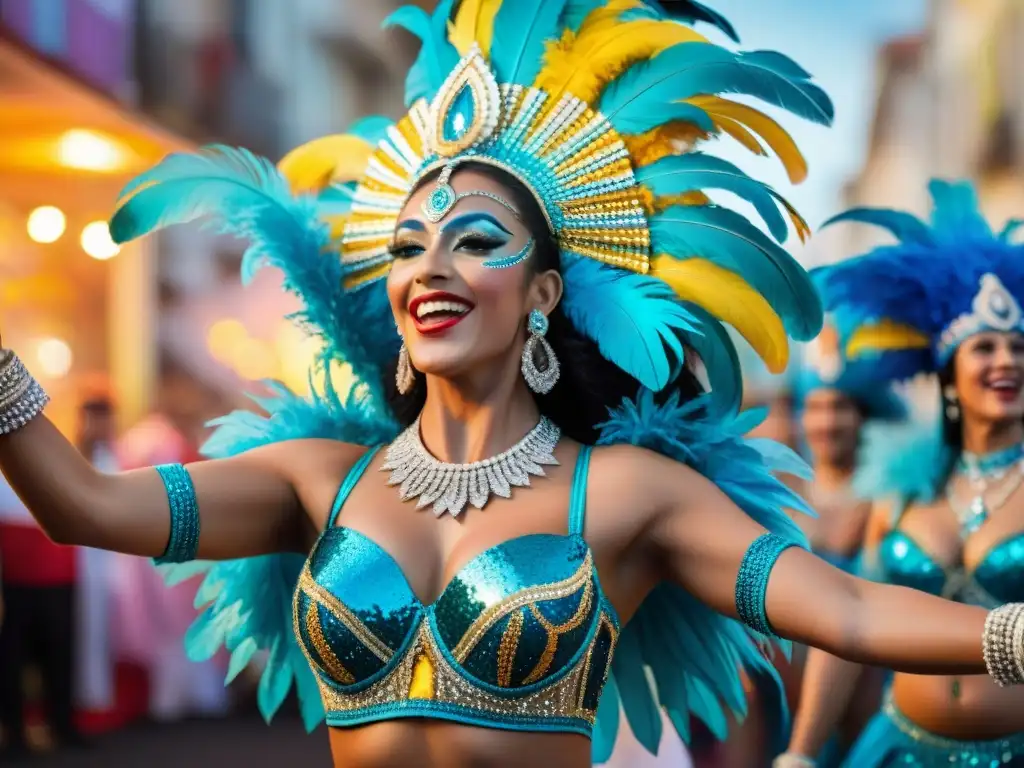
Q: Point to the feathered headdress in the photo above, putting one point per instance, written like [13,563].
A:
[597,106]
[910,305]
[821,364]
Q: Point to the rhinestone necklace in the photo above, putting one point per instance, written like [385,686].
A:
[449,487]
[985,473]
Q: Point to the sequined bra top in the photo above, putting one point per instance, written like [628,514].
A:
[997,579]
[521,638]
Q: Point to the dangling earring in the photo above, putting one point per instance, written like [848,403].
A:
[540,366]
[405,374]
[952,406]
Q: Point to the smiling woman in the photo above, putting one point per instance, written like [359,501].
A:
[529,259]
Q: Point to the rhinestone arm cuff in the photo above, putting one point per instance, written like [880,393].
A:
[752,580]
[183,543]
[1003,644]
[21,397]
[788,760]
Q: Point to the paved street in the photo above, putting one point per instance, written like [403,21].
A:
[238,741]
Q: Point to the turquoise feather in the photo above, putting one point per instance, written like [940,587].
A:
[690,69]
[247,603]
[373,128]
[522,29]
[247,197]
[1009,229]
[694,654]
[695,171]
[730,241]
[907,462]
[606,723]
[689,11]
[636,321]
[715,349]
[437,55]
[956,213]
[777,62]
[904,226]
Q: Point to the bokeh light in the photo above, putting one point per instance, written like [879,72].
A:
[46,224]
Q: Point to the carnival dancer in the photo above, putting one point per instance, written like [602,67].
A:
[950,509]
[526,266]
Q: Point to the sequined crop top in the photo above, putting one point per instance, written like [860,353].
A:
[997,579]
[521,638]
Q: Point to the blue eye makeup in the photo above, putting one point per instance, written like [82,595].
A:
[510,261]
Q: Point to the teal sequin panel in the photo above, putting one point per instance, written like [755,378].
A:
[368,582]
[892,741]
[752,580]
[905,564]
[1001,573]
[183,543]
[600,659]
[510,569]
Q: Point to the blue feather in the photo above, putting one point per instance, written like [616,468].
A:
[437,55]
[373,128]
[636,321]
[715,349]
[956,212]
[247,197]
[691,11]
[778,62]
[730,241]
[575,12]
[694,654]
[689,69]
[1009,229]
[606,723]
[695,171]
[523,27]
[904,226]
[904,462]
[246,604]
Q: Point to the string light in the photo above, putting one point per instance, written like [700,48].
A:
[54,357]
[97,243]
[46,224]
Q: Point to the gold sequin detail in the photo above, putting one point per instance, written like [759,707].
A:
[614,635]
[422,684]
[317,594]
[508,647]
[316,636]
[517,600]
[555,631]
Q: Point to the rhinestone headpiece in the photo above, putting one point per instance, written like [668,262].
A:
[569,157]
[994,309]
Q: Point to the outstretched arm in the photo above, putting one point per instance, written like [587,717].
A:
[248,505]
[829,682]
[701,539]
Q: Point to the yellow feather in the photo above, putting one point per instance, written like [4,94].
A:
[603,48]
[774,135]
[672,138]
[741,133]
[885,335]
[338,158]
[728,297]
[474,23]
[687,198]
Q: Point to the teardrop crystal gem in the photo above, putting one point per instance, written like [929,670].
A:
[460,115]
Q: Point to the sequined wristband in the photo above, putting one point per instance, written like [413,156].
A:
[183,542]
[1003,644]
[752,580]
[21,397]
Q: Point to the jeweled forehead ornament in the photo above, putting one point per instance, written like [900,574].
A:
[443,197]
[994,308]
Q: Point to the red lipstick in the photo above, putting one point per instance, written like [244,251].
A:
[442,319]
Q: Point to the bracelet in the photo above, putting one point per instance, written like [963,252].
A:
[183,543]
[21,396]
[1003,644]
[789,760]
[752,580]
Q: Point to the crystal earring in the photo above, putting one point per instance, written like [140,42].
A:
[952,405]
[540,366]
[405,374]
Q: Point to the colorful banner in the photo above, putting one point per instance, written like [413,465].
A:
[91,39]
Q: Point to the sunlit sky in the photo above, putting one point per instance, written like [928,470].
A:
[838,41]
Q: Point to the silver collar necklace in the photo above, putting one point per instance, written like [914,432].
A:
[449,487]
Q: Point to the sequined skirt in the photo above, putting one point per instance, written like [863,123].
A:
[892,741]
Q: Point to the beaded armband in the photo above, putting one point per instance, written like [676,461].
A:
[183,543]
[21,397]
[752,580]
[1003,644]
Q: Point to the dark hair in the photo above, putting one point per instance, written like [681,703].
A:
[952,429]
[589,385]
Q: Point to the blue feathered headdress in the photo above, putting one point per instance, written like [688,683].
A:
[821,364]
[911,304]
